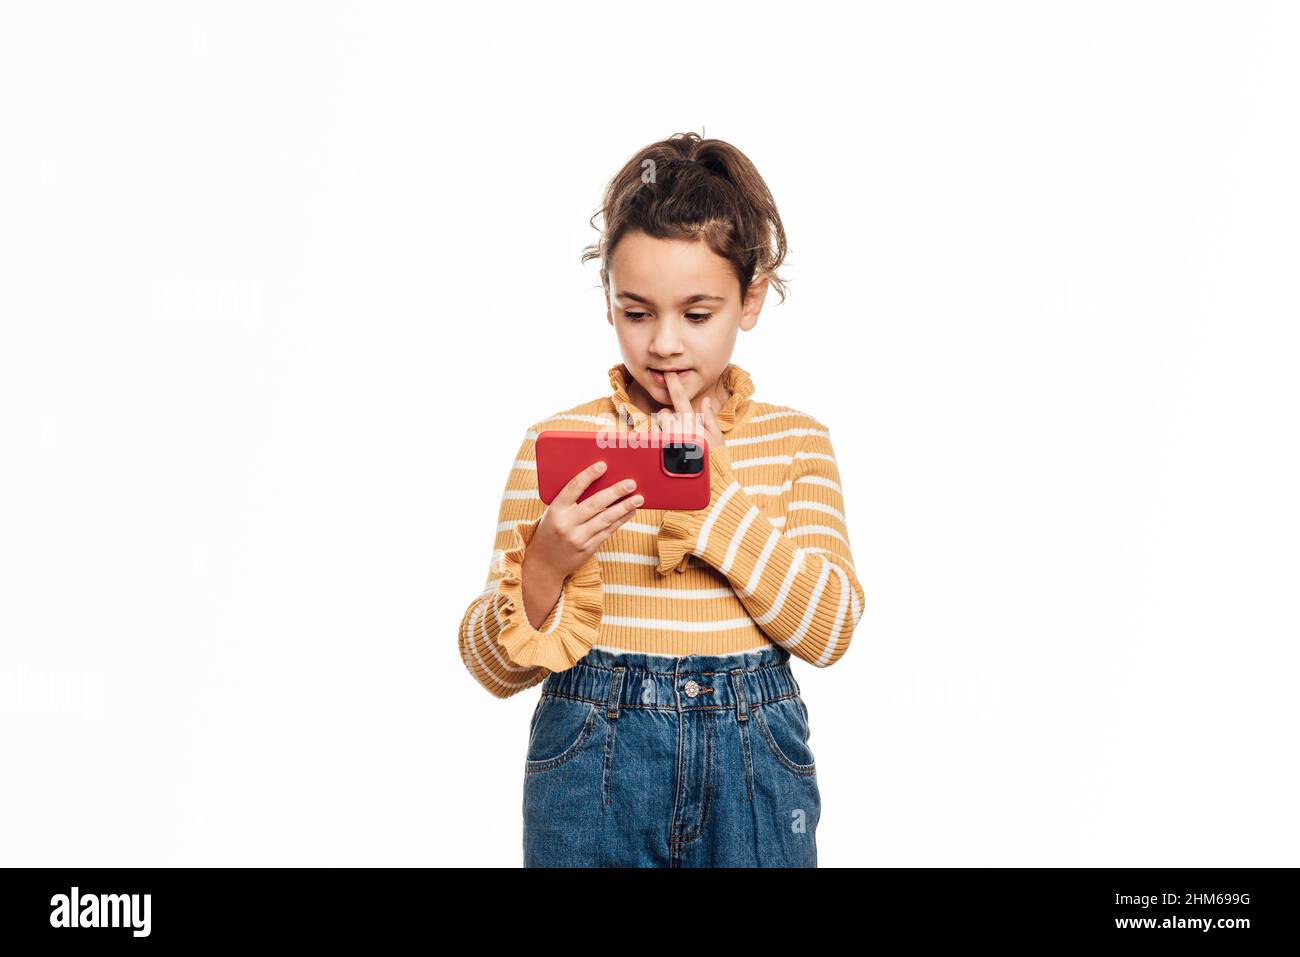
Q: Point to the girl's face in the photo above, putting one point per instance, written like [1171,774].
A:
[676,304]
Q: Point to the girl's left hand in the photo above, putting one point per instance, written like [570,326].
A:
[684,419]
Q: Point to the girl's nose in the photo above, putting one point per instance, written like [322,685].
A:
[667,342]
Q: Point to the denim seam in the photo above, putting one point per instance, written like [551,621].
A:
[673,674]
[767,699]
[747,756]
[803,770]
[611,714]
[569,753]
[710,775]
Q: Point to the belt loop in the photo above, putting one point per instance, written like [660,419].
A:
[738,685]
[615,687]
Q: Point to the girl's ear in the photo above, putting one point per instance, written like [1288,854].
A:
[753,303]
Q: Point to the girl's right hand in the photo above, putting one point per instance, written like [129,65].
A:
[570,531]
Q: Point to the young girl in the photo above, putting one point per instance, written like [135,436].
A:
[670,730]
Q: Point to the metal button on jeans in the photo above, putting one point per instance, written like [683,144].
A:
[692,688]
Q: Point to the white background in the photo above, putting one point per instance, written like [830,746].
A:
[284,284]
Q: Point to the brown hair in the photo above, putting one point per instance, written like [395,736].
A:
[686,187]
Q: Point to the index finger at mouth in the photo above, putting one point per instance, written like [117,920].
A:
[677,391]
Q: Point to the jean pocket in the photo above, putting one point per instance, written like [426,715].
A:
[784,726]
[558,731]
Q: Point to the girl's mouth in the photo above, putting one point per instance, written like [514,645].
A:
[662,380]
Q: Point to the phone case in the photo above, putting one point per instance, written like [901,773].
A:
[656,460]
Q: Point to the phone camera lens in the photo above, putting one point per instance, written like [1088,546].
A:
[684,458]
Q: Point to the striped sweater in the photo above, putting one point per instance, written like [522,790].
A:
[767,562]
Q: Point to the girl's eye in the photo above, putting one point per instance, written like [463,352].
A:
[695,317]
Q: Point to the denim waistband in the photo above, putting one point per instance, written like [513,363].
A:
[620,680]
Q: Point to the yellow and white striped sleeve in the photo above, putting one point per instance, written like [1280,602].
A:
[797,581]
[498,644]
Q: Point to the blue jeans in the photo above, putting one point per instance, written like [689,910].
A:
[640,760]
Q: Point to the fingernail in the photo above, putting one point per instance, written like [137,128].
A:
[600,466]
[637,500]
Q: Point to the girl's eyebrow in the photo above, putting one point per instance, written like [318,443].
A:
[698,297]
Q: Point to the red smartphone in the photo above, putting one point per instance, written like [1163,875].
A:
[671,469]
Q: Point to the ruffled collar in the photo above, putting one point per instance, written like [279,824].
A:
[734,378]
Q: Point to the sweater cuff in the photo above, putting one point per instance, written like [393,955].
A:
[680,529]
[569,630]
